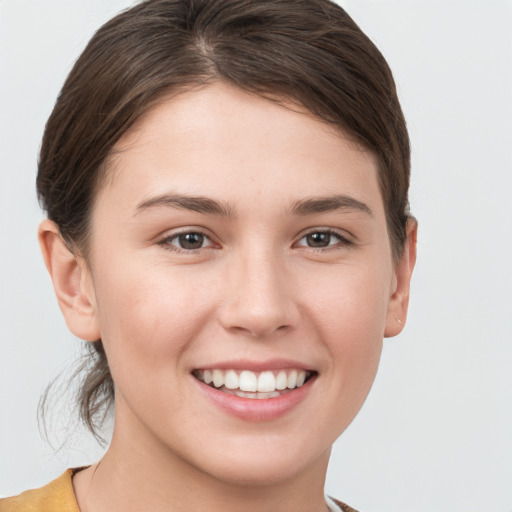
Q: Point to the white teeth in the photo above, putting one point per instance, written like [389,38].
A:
[248,381]
[266,382]
[218,378]
[207,376]
[231,380]
[281,381]
[249,384]
[292,380]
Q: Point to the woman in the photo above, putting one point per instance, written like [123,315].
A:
[226,190]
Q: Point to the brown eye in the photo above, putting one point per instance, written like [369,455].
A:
[323,239]
[187,241]
[318,239]
[190,240]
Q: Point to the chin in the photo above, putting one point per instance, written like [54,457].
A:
[258,467]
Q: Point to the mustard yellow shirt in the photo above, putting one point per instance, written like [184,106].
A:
[58,496]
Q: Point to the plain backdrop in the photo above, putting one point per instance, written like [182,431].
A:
[436,431]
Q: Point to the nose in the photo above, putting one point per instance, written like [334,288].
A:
[259,298]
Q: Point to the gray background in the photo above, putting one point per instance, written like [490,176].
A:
[436,431]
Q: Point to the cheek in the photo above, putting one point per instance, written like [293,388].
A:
[352,300]
[350,313]
[148,315]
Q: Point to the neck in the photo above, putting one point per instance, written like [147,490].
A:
[146,476]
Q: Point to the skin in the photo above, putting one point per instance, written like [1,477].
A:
[256,290]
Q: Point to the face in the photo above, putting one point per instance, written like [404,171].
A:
[239,241]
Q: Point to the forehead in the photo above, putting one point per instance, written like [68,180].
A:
[219,139]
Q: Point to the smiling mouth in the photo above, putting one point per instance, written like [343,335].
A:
[257,385]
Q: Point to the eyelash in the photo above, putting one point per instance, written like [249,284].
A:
[342,241]
[167,241]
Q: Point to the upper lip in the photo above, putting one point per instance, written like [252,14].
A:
[256,366]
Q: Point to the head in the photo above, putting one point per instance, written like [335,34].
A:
[306,58]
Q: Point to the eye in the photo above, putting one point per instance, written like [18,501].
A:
[321,239]
[187,241]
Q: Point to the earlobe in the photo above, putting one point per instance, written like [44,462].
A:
[71,282]
[399,300]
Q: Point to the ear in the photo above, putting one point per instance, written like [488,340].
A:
[399,300]
[72,282]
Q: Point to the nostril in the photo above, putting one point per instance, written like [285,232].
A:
[260,331]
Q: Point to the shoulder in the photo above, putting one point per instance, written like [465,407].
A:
[342,506]
[57,496]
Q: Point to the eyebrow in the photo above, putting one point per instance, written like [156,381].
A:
[329,204]
[208,206]
[194,203]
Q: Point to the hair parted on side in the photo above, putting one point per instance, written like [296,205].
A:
[305,52]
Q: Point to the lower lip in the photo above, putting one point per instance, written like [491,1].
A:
[252,409]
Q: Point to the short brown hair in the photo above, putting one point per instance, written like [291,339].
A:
[309,52]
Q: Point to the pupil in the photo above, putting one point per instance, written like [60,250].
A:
[319,239]
[191,240]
